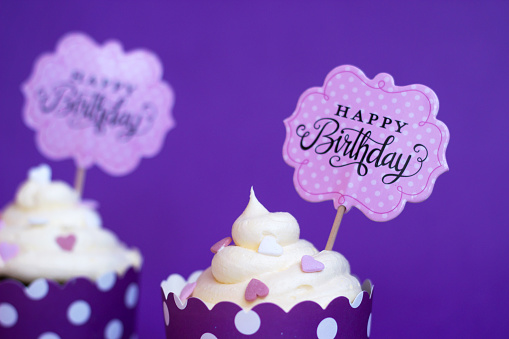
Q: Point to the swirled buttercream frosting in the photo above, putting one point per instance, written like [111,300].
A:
[268,251]
[49,232]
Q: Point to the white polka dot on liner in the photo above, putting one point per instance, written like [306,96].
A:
[369,325]
[106,281]
[78,312]
[8,315]
[38,289]
[114,329]
[166,314]
[327,329]
[131,295]
[357,301]
[247,322]
[49,335]
[208,336]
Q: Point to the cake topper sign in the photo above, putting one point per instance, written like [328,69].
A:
[366,143]
[98,105]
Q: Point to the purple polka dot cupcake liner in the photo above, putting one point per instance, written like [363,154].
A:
[341,319]
[79,308]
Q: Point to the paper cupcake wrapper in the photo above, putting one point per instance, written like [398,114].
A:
[340,319]
[80,308]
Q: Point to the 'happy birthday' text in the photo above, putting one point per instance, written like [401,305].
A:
[350,146]
[93,108]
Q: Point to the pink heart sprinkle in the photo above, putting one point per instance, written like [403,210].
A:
[218,246]
[66,243]
[187,291]
[8,251]
[311,265]
[256,289]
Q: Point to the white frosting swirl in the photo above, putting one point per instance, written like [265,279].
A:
[46,210]
[234,266]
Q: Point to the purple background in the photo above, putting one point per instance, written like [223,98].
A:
[238,69]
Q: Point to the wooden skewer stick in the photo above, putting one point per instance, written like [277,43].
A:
[335,228]
[79,180]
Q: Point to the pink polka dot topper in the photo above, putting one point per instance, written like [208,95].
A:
[98,105]
[366,143]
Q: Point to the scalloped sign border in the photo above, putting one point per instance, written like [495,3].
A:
[366,143]
[98,104]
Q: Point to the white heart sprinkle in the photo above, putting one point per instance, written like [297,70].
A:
[40,174]
[270,246]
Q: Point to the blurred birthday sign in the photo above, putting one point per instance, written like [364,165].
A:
[98,105]
[366,143]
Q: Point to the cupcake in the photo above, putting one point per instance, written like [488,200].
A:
[62,274]
[271,283]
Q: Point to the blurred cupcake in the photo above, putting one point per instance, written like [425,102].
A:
[270,284]
[62,274]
